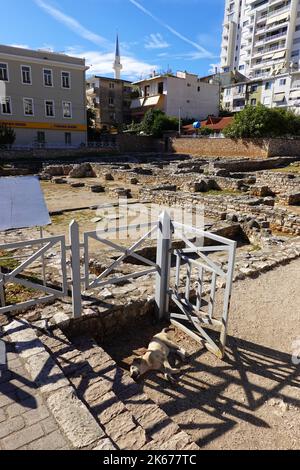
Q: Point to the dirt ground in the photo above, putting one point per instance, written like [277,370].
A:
[252,399]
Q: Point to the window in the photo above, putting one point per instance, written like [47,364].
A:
[111,101]
[268,86]
[66,79]
[241,67]
[254,88]
[147,90]
[6,105]
[28,106]
[228,91]
[41,138]
[68,138]
[295,53]
[49,108]
[240,89]
[111,85]
[282,82]
[67,109]
[253,102]
[48,78]
[297,28]
[4,72]
[160,88]
[26,74]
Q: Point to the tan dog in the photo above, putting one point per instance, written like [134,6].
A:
[157,357]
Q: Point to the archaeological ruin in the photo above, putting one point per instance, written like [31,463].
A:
[77,355]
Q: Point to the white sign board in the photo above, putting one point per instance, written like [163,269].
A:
[22,203]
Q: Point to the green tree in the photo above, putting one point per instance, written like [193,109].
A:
[7,135]
[148,121]
[259,121]
[205,131]
[156,122]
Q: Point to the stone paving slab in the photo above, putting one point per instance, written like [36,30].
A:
[25,419]
[75,425]
[129,418]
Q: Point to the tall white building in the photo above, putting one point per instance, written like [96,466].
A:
[261,38]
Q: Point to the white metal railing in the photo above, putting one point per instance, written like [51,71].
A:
[192,258]
[16,275]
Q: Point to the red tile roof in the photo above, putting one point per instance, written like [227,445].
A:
[215,123]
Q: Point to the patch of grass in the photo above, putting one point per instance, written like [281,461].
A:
[225,192]
[15,294]
[7,261]
[254,248]
[79,216]
[288,169]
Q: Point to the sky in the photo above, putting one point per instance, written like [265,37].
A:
[158,35]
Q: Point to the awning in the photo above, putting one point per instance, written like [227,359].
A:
[295,94]
[279,55]
[152,100]
[267,57]
[22,203]
[137,103]
[278,97]
[275,19]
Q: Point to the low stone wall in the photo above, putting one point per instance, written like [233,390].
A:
[220,207]
[121,144]
[248,165]
[236,148]
[136,143]
[279,182]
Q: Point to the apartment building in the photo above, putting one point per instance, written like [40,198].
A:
[183,94]
[261,38]
[110,98]
[42,97]
[282,91]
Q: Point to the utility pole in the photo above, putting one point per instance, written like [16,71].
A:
[179,119]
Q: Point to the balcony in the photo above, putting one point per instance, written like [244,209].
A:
[236,109]
[270,38]
[279,10]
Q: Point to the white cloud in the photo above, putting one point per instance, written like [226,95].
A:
[101,64]
[21,46]
[204,53]
[156,41]
[72,24]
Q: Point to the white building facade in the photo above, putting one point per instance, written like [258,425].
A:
[42,97]
[282,91]
[261,38]
[181,94]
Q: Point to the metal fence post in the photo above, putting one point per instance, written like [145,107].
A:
[75,269]
[163,261]
[227,298]
[2,292]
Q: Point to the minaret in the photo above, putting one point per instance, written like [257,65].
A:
[117,63]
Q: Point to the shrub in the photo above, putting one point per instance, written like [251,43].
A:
[7,135]
[205,131]
[259,121]
[156,122]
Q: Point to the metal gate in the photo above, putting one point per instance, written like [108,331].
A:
[197,312]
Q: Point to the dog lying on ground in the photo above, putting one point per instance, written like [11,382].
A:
[157,357]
